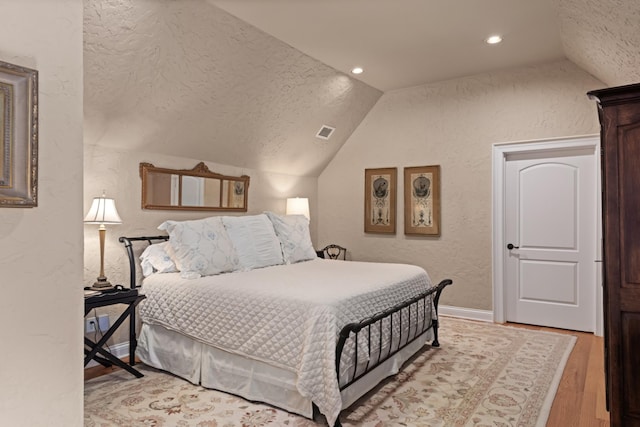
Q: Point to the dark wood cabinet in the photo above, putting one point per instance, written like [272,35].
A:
[619,113]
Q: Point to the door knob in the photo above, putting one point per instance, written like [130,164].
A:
[510,246]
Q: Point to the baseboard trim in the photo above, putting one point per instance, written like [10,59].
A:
[118,350]
[466,313]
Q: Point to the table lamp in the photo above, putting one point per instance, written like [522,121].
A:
[298,206]
[103,211]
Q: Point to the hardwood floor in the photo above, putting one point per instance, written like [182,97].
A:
[98,371]
[580,400]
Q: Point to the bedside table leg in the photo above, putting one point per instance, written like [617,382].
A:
[133,341]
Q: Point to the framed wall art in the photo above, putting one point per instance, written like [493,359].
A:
[380,200]
[422,200]
[18,136]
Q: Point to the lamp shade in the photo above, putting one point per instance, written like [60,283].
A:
[298,206]
[103,211]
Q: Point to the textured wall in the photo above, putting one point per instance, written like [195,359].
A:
[186,79]
[452,124]
[41,248]
[603,38]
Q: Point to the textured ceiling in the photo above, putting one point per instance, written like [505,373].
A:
[404,43]
[185,78]
[603,38]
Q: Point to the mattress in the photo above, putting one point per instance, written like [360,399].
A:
[285,316]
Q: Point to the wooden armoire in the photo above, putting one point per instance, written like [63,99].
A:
[619,113]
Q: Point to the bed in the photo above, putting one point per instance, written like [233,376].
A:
[307,335]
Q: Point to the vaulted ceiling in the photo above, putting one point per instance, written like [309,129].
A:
[248,83]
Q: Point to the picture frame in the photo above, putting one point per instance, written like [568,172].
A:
[380,189]
[422,200]
[18,136]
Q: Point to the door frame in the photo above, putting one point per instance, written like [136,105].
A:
[500,151]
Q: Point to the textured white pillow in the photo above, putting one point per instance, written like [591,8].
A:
[202,246]
[293,233]
[254,239]
[156,259]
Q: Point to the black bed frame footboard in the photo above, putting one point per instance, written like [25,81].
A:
[384,322]
[127,241]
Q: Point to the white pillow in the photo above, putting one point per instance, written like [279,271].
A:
[254,239]
[201,246]
[295,240]
[156,259]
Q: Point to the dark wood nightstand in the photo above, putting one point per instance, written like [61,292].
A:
[95,350]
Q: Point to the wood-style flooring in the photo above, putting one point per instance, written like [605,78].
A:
[580,400]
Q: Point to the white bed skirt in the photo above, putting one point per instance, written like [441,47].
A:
[253,380]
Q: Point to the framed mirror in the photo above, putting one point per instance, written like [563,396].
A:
[18,136]
[192,189]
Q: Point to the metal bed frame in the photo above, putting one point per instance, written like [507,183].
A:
[382,322]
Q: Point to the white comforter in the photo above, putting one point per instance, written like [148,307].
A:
[287,315]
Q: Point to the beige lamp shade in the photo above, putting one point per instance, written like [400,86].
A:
[298,206]
[103,211]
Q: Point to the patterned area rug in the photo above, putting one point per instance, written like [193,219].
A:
[482,375]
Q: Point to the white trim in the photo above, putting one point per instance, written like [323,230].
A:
[499,155]
[599,256]
[120,351]
[466,313]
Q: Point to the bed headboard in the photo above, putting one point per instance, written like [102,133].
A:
[128,244]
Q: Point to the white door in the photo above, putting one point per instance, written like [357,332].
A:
[551,219]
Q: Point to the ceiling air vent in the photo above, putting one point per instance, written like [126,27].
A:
[325,132]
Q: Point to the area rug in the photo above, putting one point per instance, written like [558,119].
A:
[482,375]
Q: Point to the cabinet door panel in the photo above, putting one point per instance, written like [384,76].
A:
[629,181]
[631,363]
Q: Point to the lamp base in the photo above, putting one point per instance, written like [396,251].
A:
[102,284]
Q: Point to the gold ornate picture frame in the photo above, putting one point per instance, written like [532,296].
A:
[380,200]
[18,136]
[422,200]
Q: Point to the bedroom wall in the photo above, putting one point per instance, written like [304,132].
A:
[41,247]
[452,124]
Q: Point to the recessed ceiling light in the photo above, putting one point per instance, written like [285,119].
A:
[357,70]
[495,39]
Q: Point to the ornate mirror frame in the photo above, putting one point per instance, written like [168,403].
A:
[196,189]
[18,136]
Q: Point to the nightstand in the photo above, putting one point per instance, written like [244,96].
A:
[95,350]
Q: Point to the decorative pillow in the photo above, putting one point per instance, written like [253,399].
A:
[201,246]
[295,240]
[254,239]
[156,259]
